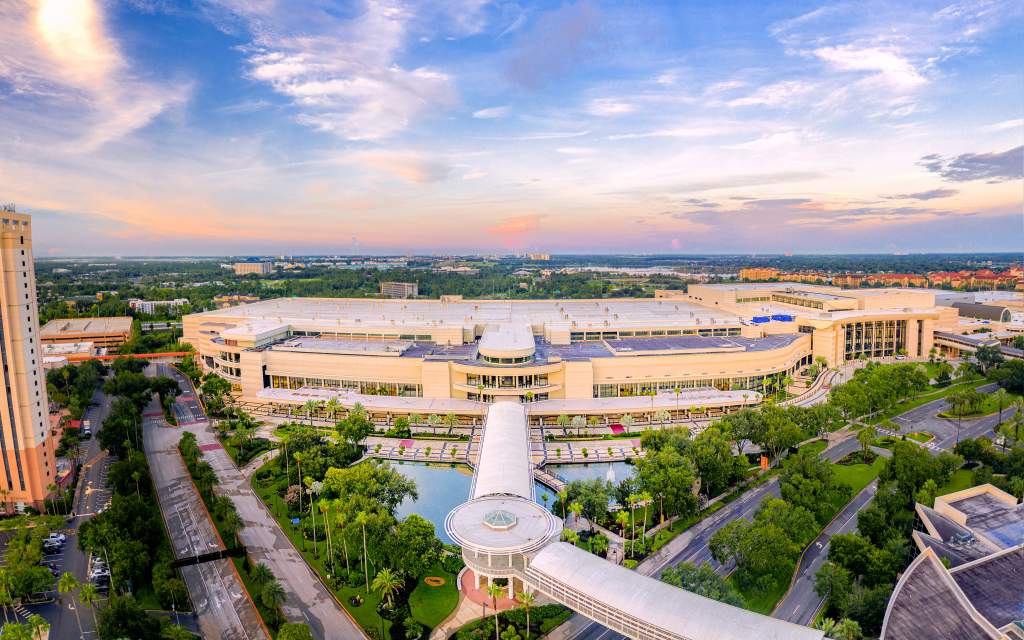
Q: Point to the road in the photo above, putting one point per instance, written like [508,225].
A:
[91,495]
[221,605]
[307,599]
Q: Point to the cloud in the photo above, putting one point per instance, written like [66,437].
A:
[411,167]
[1005,124]
[772,95]
[342,71]
[932,194]
[576,151]
[997,166]
[788,203]
[606,107]
[490,113]
[891,67]
[871,216]
[244,106]
[58,54]
[517,225]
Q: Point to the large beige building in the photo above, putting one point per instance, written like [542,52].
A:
[717,346]
[253,268]
[26,446]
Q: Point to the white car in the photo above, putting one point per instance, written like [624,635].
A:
[56,538]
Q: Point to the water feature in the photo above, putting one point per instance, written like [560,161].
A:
[441,488]
[614,471]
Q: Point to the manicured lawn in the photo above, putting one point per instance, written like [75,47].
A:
[251,450]
[53,523]
[430,605]
[762,601]
[913,403]
[816,447]
[962,479]
[921,436]
[857,476]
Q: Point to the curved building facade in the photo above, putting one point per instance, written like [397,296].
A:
[593,355]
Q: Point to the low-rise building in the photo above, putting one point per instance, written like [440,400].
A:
[399,289]
[107,332]
[154,306]
[754,274]
[226,300]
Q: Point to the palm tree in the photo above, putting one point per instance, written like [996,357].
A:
[68,584]
[662,416]
[576,509]
[1002,399]
[315,487]
[332,407]
[273,596]
[633,499]
[627,421]
[233,523]
[577,424]
[599,544]
[88,596]
[344,541]
[563,497]
[563,421]
[433,420]
[847,629]
[645,498]
[622,519]
[38,625]
[570,536]
[52,489]
[387,583]
[310,406]
[261,574]
[298,460]
[361,520]
[415,419]
[526,599]
[324,506]
[452,421]
[592,422]
[494,590]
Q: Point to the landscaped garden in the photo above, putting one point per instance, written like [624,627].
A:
[393,575]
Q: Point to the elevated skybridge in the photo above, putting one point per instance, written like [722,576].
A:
[505,534]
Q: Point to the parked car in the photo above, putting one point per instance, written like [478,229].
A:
[58,538]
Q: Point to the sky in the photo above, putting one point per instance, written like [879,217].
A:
[213,127]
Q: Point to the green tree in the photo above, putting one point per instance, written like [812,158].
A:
[38,625]
[272,595]
[494,591]
[88,596]
[414,547]
[670,477]
[866,438]
[702,580]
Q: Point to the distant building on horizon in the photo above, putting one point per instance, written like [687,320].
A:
[151,306]
[759,273]
[253,268]
[399,289]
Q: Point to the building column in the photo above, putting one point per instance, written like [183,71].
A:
[511,588]
[476,577]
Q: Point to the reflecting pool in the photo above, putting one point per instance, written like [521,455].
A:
[441,488]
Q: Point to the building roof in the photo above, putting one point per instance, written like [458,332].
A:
[995,585]
[506,339]
[678,612]
[983,311]
[927,603]
[503,466]
[572,314]
[502,524]
[60,327]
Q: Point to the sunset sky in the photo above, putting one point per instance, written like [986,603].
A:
[156,127]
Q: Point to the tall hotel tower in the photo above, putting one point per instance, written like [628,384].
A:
[26,445]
